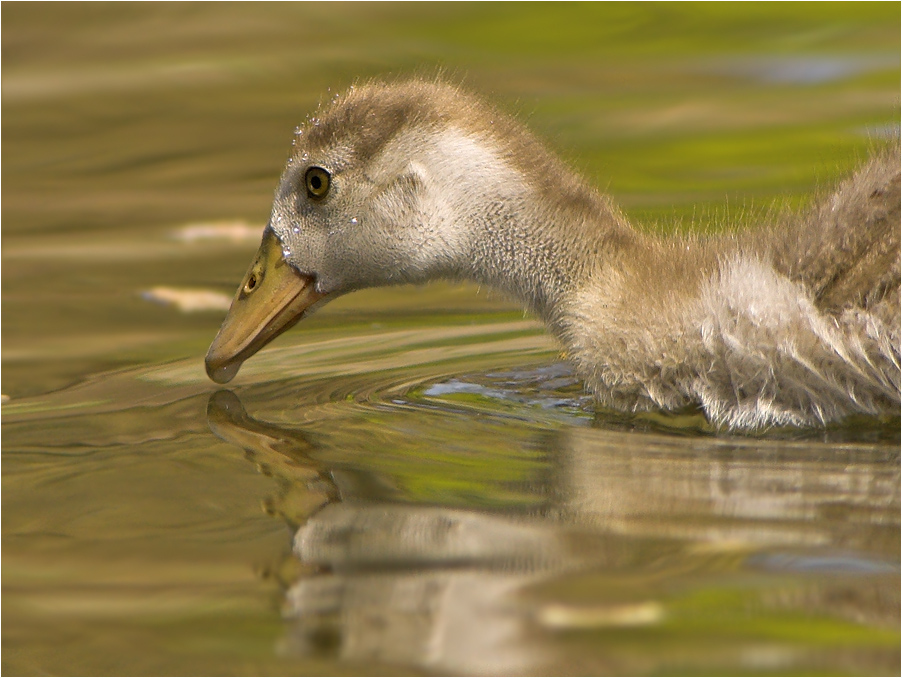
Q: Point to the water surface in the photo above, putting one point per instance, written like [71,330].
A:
[412,480]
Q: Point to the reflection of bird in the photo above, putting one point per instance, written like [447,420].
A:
[408,182]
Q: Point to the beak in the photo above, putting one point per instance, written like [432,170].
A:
[271,299]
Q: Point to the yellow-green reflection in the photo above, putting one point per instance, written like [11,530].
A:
[135,541]
[625,552]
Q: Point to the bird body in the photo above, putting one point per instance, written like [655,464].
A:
[797,324]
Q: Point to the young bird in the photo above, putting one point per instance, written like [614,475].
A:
[413,181]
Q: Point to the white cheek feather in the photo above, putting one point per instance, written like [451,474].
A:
[461,175]
[467,172]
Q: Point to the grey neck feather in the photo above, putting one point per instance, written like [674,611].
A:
[536,235]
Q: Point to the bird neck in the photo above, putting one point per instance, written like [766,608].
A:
[542,256]
[534,229]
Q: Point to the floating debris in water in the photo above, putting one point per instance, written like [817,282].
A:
[234,231]
[188,301]
[558,616]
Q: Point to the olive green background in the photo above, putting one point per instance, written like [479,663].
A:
[134,540]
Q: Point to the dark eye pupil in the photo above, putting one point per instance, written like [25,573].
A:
[317,182]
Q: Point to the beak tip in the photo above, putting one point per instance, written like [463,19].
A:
[221,372]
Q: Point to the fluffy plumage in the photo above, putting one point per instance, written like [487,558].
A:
[797,324]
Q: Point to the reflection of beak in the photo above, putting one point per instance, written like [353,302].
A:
[272,298]
[282,453]
[276,446]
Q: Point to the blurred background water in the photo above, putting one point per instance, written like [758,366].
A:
[411,480]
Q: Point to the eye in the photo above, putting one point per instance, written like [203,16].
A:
[317,180]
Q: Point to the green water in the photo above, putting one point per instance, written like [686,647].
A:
[459,505]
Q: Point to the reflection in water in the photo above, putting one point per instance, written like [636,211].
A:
[764,493]
[397,583]
[278,453]
[637,539]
